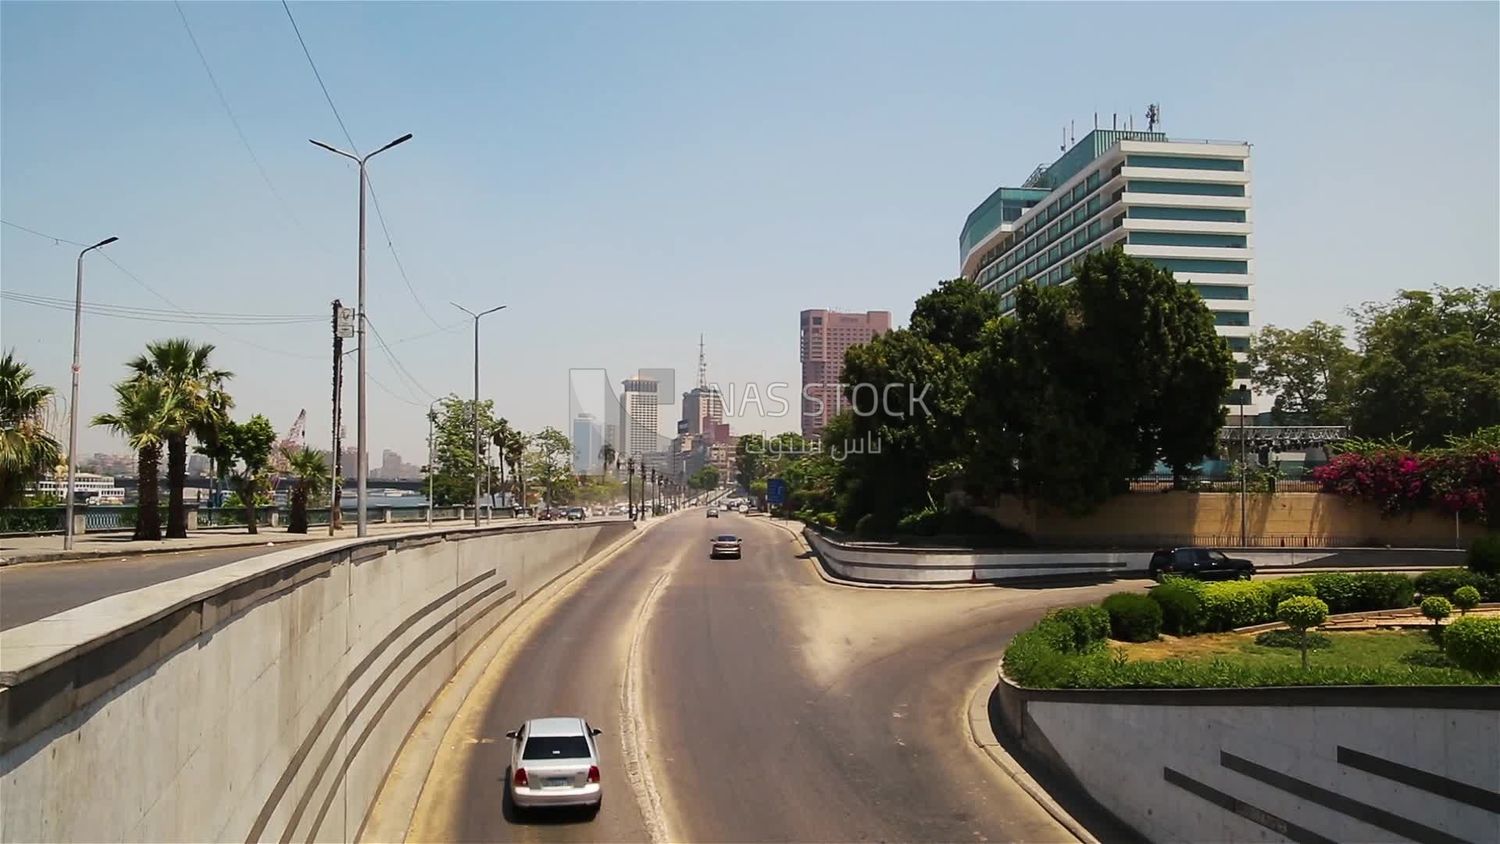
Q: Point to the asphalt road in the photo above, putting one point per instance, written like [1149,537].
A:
[771,705]
[30,592]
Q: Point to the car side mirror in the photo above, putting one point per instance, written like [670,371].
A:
[513,734]
[595,731]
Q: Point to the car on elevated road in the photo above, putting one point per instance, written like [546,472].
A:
[554,763]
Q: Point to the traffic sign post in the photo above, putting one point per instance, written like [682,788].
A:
[776,492]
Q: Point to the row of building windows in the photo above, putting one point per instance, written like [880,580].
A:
[1219,291]
[1203,265]
[1186,162]
[1184,188]
[1167,212]
[1231,318]
[1221,241]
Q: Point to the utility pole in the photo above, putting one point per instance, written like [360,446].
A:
[338,382]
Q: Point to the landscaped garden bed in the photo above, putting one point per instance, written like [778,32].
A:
[1429,630]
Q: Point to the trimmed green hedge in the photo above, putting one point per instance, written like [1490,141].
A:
[1484,554]
[1444,582]
[1102,671]
[1133,617]
[1181,602]
[1189,606]
[1474,643]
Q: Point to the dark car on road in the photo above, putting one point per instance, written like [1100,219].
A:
[1199,562]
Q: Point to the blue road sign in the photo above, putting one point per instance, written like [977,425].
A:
[776,491]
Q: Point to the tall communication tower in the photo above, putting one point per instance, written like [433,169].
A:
[702,365]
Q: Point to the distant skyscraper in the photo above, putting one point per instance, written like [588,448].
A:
[587,438]
[826,335]
[638,419]
[390,465]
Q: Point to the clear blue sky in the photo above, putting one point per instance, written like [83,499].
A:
[626,176]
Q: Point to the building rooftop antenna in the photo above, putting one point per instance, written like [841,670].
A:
[702,365]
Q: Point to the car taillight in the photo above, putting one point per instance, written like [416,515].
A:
[520,778]
[593,773]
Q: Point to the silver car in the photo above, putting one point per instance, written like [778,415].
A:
[555,762]
[724,545]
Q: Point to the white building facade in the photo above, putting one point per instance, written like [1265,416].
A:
[638,417]
[1185,205]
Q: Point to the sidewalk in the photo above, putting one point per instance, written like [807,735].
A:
[40,549]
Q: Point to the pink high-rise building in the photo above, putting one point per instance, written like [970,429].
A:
[826,335]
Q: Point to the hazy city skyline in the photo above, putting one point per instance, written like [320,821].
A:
[779,157]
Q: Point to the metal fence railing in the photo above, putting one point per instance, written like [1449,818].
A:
[1255,485]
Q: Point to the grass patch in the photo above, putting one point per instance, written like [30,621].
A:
[1232,660]
[1292,639]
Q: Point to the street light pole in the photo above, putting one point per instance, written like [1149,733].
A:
[362,469]
[431,454]
[1244,473]
[73,402]
[476,399]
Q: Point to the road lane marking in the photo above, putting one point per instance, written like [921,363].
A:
[633,727]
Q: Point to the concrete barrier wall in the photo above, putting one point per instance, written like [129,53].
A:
[874,563]
[1298,764]
[262,700]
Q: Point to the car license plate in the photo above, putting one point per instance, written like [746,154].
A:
[557,782]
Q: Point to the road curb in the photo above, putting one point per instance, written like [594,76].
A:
[983,737]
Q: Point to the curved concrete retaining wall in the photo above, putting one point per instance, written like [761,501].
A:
[874,563]
[262,700]
[1312,764]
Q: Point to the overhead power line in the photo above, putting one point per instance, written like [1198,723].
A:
[153,291]
[162,315]
[390,242]
[238,130]
[401,369]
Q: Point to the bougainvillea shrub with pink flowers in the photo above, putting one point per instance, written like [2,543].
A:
[1462,478]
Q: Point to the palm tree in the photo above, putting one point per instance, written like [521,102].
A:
[202,406]
[607,455]
[311,473]
[144,412]
[27,449]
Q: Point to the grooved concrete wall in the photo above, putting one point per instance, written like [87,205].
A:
[872,564]
[277,714]
[1305,764]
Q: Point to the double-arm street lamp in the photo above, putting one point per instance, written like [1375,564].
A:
[73,401]
[476,400]
[361,468]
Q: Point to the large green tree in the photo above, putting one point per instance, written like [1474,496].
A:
[248,445]
[1430,365]
[454,466]
[906,439]
[705,478]
[1310,371]
[27,450]
[144,414]
[549,461]
[1093,382]
[202,406]
[309,470]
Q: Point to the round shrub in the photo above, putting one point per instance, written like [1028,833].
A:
[1436,608]
[1336,589]
[1087,626]
[1181,602]
[1382,591]
[1133,617]
[1236,603]
[1302,612]
[1474,643]
[1465,598]
[1484,555]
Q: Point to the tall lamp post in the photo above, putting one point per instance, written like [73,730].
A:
[362,469]
[431,455]
[1244,471]
[73,402]
[630,489]
[476,399]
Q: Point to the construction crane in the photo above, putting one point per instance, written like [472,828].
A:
[294,441]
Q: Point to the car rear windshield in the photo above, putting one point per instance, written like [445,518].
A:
[726,538]
[556,747]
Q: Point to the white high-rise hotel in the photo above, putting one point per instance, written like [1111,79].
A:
[1183,204]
